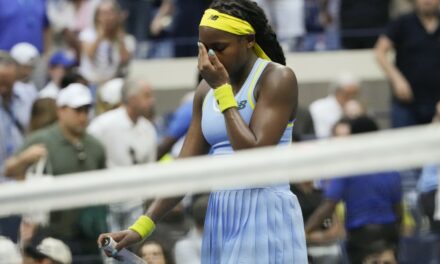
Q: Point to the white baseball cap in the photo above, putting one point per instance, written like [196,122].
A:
[75,95]
[24,53]
[111,91]
[55,249]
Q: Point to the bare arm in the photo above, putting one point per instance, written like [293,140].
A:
[158,22]
[335,232]
[165,146]
[72,40]
[16,166]
[324,16]
[326,209]
[194,145]
[275,106]
[124,54]
[399,83]
[90,48]
[47,36]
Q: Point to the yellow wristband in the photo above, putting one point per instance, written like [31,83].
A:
[144,226]
[225,97]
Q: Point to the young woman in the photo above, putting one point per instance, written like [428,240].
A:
[247,99]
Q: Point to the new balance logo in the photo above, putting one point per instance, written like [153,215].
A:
[242,104]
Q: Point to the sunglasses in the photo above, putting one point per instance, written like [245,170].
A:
[80,151]
[132,153]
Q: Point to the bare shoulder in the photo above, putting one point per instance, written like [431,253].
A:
[280,78]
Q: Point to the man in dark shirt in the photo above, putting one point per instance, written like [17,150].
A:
[186,18]
[67,149]
[415,76]
[361,21]
[372,202]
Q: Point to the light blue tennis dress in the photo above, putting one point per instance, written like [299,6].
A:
[249,225]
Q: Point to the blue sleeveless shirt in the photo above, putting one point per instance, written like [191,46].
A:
[245,225]
[213,122]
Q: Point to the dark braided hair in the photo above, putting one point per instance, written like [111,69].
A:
[252,13]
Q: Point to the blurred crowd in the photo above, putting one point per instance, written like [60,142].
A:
[67,106]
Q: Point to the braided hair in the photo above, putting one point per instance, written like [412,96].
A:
[249,11]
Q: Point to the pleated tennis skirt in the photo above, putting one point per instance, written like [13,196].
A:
[254,226]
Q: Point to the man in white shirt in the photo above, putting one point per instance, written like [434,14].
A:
[26,56]
[129,138]
[327,111]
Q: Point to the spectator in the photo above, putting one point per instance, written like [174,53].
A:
[43,114]
[437,203]
[353,109]
[73,77]
[129,139]
[110,94]
[160,32]
[48,251]
[24,21]
[186,15]
[69,17]
[26,56]
[327,111]
[342,128]
[69,149]
[322,26]
[138,16]
[436,118]
[304,129]
[361,21]
[428,187]
[414,77]
[287,19]
[188,250]
[9,253]
[106,48]
[177,127]
[13,127]
[323,243]
[373,204]
[154,253]
[381,253]
[59,64]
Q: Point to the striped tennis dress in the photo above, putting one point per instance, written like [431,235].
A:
[249,225]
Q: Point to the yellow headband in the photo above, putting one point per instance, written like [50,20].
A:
[214,19]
